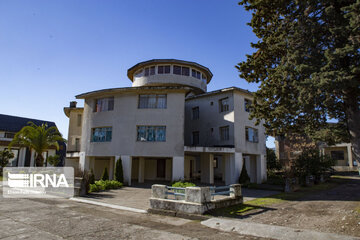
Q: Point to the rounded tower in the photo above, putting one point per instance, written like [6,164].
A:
[170,72]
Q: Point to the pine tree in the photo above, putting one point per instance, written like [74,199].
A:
[244,177]
[119,176]
[105,175]
[307,62]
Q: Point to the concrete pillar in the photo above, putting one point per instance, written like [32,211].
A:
[205,166]
[141,170]
[223,166]
[21,158]
[211,168]
[260,169]
[233,165]
[84,162]
[111,169]
[349,153]
[158,191]
[236,190]
[32,159]
[197,194]
[178,168]
[127,165]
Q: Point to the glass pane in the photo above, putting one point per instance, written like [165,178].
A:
[152,70]
[146,71]
[108,134]
[193,73]
[152,101]
[143,101]
[141,135]
[185,71]
[150,134]
[177,70]
[160,69]
[160,134]
[111,104]
[167,69]
[161,101]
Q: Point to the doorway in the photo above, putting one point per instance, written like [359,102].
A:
[161,168]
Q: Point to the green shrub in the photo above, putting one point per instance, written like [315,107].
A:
[105,175]
[272,162]
[119,175]
[312,162]
[183,184]
[102,185]
[244,177]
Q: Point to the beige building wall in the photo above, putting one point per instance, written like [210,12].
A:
[124,120]
[210,118]
[75,127]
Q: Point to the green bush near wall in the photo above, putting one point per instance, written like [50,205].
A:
[102,185]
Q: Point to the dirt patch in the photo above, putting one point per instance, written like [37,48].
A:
[332,207]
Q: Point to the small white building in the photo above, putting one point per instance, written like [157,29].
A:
[167,127]
[23,156]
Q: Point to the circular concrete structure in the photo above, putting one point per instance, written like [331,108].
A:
[167,72]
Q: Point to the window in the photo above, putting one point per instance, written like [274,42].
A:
[164,69]
[195,74]
[104,104]
[178,70]
[77,144]
[195,138]
[9,135]
[150,71]
[224,104]
[251,134]
[195,113]
[247,105]
[79,120]
[337,155]
[185,71]
[103,134]
[152,101]
[13,162]
[224,133]
[151,133]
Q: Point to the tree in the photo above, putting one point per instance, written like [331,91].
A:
[5,156]
[272,162]
[54,160]
[119,175]
[105,175]
[38,138]
[307,61]
[244,177]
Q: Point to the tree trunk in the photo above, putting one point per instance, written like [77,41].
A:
[39,160]
[353,120]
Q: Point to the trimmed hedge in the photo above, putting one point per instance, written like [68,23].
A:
[102,185]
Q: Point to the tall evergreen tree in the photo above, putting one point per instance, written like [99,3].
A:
[307,61]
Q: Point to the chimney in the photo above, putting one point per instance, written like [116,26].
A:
[73,104]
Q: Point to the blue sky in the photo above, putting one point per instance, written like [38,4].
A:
[51,51]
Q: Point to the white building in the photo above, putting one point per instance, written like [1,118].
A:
[167,127]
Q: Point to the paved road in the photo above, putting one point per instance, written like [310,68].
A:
[65,219]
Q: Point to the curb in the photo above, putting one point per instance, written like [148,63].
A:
[108,205]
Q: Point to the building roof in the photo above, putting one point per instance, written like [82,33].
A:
[14,124]
[130,89]
[133,69]
[220,91]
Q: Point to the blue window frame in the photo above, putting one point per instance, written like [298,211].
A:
[103,134]
[151,133]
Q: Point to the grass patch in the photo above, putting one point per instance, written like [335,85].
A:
[242,209]
[1,178]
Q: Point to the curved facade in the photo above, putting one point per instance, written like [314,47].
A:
[168,72]
[167,127]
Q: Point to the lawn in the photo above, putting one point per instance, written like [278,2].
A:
[267,202]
